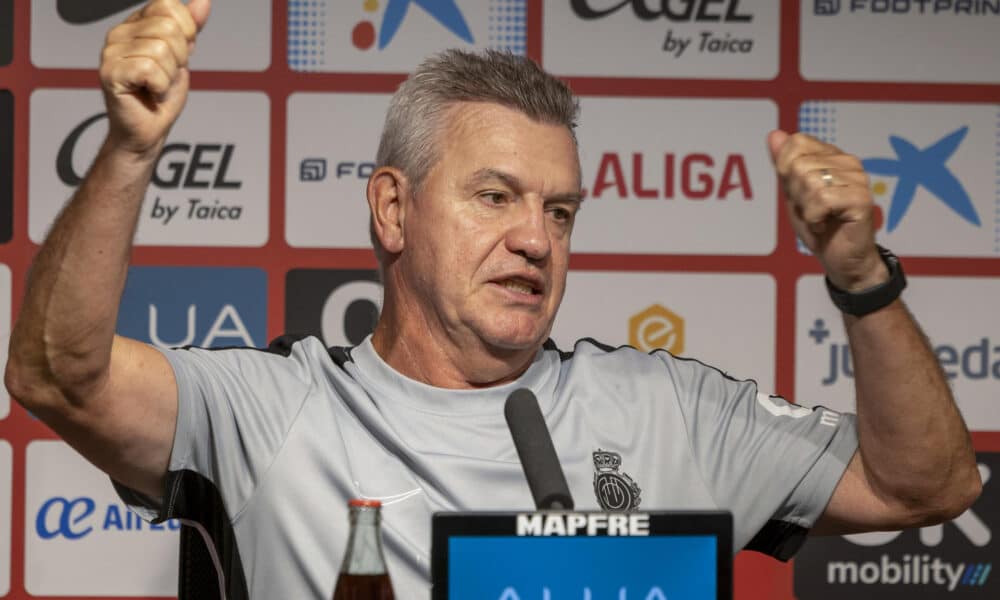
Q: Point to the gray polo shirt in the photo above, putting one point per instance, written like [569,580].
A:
[281,440]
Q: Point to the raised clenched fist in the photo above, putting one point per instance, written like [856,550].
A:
[830,207]
[144,71]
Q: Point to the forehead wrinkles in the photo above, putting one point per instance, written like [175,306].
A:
[463,120]
[481,121]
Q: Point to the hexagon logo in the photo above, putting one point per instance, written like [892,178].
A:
[656,327]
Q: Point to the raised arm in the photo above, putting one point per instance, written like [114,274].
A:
[915,464]
[111,398]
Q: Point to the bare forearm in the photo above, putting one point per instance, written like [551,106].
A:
[66,325]
[913,441]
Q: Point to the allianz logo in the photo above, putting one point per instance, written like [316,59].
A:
[977,359]
[76,518]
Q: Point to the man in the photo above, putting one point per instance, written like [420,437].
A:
[472,208]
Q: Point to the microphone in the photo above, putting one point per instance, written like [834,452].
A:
[534,447]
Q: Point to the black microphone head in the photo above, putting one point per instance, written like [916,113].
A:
[521,405]
[534,447]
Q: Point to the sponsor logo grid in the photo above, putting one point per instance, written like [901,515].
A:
[681,240]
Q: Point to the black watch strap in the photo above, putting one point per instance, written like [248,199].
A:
[869,300]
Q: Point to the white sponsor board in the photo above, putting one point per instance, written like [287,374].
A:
[676,176]
[210,186]
[698,315]
[958,314]
[332,140]
[395,35]
[901,40]
[5,298]
[706,39]
[934,170]
[6,474]
[81,540]
[70,33]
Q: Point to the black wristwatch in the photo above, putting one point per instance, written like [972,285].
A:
[869,300]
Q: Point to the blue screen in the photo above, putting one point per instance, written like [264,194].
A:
[582,568]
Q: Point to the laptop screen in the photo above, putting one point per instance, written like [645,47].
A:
[550,556]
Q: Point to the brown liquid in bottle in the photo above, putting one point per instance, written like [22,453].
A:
[363,574]
[363,587]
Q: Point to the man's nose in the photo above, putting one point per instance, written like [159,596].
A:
[529,236]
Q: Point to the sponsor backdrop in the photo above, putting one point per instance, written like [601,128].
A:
[256,222]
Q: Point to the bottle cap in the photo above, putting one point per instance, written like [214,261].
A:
[365,502]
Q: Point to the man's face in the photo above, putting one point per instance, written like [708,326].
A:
[486,238]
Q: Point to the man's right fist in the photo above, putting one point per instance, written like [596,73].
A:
[144,71]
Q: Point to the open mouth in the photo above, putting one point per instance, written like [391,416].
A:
[520,286]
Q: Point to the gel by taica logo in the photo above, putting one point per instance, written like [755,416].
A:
[952,560]
[915,167]
[702,11]
[975,359]
[200,306]
[341,307]
[181,166]
[676,43]
[76,518]
[445,12]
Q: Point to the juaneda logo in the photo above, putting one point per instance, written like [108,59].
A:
[972,359]
[340,307]
[953,560]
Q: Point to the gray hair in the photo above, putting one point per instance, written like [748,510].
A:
[419,107]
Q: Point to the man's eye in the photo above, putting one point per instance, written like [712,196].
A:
[561,214]
[493,197]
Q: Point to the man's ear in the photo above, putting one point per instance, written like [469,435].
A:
[388,191]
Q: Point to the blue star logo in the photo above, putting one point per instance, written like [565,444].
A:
[445,11]
[915,167]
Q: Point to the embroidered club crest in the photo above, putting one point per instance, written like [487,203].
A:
[615,491]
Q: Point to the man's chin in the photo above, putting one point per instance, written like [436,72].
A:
[512,343]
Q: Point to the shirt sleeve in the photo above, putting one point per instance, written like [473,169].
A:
[772,463]
[235,407]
